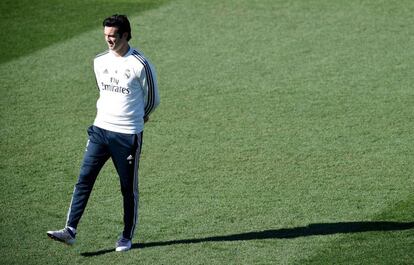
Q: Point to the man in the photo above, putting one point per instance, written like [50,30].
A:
[128,94]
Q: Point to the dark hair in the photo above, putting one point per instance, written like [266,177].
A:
[119,21]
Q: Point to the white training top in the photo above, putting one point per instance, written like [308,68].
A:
[128,91]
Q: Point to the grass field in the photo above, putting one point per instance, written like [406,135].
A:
[284,134]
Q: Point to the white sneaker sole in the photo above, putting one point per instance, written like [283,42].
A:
[119,249]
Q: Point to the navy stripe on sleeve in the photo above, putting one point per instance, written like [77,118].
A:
[150,81]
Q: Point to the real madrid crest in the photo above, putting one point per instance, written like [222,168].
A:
[127,73]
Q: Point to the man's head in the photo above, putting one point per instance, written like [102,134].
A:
[117,31]
[120,22]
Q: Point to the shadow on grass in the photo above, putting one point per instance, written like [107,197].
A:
[286,233]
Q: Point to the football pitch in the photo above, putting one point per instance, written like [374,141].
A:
[284,133]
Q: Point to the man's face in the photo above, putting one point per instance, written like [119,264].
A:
[114,40]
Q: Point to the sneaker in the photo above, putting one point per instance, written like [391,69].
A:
[65,235]
[123,244]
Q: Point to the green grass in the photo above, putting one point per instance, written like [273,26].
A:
[284,134]
[31,25]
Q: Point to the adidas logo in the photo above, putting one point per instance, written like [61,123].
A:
[130,158]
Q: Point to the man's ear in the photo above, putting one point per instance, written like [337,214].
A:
[125,35]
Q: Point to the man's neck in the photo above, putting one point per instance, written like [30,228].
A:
[122,51]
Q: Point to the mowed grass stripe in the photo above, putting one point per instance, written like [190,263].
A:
[35,26]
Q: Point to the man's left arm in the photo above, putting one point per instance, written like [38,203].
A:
[151,89]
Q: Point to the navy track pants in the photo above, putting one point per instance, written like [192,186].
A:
[124,149]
